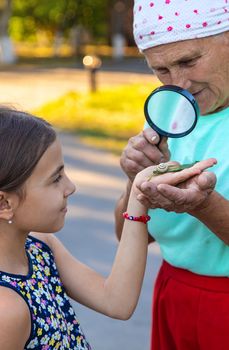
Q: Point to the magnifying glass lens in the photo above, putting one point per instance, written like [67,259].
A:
[171,111]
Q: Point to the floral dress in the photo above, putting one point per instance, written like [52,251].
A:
[53,321]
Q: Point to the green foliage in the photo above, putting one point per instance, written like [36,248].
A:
[108,117]
[54,16]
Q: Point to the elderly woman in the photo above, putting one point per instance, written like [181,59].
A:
[186,43]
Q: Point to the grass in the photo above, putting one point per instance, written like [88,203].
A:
[106,118]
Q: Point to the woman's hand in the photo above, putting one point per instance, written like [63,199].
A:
[180,191]
[143,150]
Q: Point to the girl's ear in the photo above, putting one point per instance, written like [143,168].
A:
[7,203]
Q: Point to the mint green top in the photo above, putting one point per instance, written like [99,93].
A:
[184,241]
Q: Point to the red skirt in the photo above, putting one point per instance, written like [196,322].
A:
[190,311]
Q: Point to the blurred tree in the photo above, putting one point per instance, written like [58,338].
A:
[56,16]
[121,14]
[6,49]
[129,23]
[121,26]
[81,21]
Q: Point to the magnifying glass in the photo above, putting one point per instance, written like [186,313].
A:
[171,111]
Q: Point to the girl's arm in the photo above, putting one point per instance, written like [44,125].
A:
[117,295]
[121,207]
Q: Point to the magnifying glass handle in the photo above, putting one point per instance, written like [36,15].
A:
[160,138]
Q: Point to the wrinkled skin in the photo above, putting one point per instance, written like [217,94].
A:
[142,151]
[184,197]
[200,66]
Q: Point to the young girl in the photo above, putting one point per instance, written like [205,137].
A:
[37,272]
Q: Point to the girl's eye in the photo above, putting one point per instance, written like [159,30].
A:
[59,177]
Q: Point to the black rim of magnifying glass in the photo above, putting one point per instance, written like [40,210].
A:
[182,92]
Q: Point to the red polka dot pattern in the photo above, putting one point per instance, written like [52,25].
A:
[164,21]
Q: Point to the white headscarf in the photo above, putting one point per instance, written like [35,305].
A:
[158,22]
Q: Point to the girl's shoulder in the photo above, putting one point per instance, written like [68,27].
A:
[45,242]
[12,305]
[43,238]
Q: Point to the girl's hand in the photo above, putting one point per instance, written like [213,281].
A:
[179,191]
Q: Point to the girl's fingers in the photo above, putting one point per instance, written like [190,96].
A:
[171,178]
[185,174]
[204,164]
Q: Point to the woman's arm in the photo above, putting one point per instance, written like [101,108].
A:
[197,197]
[215,215]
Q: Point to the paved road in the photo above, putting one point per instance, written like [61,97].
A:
[89,230]
[28,89]
[89,235]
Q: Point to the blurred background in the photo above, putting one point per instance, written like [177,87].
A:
[74,62]
[89,37]
[68,27]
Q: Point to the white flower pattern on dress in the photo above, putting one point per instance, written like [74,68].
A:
[54,325]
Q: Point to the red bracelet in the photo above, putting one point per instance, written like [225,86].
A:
[141,218]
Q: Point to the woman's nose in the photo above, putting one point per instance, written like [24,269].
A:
[180,79]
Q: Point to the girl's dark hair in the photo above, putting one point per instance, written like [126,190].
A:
[23,140]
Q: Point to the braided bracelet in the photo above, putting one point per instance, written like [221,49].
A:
[141,218]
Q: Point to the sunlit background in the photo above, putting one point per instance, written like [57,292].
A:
[74,63]
[94,99]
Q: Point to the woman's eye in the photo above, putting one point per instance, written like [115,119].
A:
[189,63]
[162,71]
[59,177]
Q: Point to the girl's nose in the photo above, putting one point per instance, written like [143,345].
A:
[70,188]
